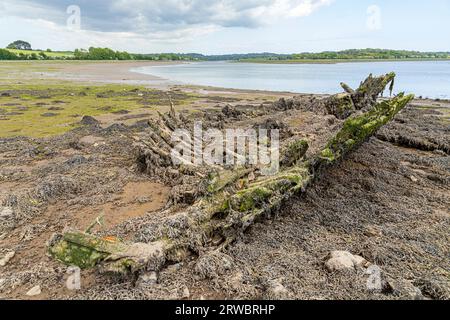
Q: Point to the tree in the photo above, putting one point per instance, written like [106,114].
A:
[43,55]
[7,55]
[20,45]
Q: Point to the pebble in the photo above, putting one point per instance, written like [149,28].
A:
[277,290]
[372,231]
[186,294]
[35,291]
[7,258]
[175,267]
[6,212]
[147,279]
[344,261]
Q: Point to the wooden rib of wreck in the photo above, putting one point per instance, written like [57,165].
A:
[225,209]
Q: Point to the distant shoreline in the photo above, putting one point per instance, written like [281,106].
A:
[332,61]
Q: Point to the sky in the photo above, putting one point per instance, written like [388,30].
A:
[227,26]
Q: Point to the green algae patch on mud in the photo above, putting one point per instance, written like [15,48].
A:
[82,249]
[75,255]
[52,109]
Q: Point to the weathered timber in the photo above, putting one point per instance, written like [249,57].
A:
[229,208]
[364,98]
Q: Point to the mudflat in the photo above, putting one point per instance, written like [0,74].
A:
[68,156]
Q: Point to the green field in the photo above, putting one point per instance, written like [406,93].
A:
[55,54]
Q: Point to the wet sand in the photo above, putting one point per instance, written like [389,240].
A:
[111,72]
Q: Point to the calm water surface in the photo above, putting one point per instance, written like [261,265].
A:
[424,78]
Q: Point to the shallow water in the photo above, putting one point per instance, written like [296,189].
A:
[424,78]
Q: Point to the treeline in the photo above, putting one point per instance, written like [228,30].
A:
[6,54]
[235,57]
[373,54]
[361,54]
[109,54]
[94,54]
[352,54]
[9,55]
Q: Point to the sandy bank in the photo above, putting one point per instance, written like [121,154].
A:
[110,72]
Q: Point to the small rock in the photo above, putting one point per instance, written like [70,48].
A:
[147,279]
[344,261]
[372,231]
[55,109]
[76,160]
[49,114]
[35,291]
[414,179]
[89,121]
[237,280]
[7,258]
[405,289]
[6,212]
[277,290]
[186,294]
[143,199]
[174,267]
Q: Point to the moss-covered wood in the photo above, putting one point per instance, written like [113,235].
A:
[84,250]
[235,200]
[343,105]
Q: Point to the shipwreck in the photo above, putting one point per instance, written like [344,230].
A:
[212,206]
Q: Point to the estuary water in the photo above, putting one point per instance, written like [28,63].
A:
[429,79]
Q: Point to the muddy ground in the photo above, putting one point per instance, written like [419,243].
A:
[387,202]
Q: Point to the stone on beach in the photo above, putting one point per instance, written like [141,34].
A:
[6,258]
[6,212]
[344,261]
[35,291]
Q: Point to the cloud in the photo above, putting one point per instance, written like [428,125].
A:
[163,18]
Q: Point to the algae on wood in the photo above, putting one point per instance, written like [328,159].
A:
[343,105]
[227,209]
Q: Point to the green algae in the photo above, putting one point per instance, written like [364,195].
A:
[52,109]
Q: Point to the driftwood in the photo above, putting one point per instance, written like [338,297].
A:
[227,208]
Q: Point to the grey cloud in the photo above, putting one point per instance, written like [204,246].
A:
[149,16]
